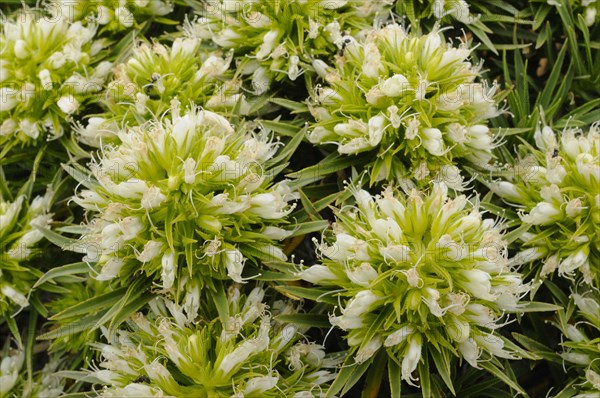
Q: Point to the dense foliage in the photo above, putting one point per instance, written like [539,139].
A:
[300,198]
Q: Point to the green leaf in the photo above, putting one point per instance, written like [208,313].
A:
[395,378]
[14,329]
[128,309]
[308,227]
[308,207]
[375,376]
[313,294]
[283,128]
[69,269]
[536,306]
[294,106]
[91,305]
[221,304]
[500,374]
[424,375]
[311,320]
[442,364]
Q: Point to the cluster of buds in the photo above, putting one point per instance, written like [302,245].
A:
[251,354]
[417,273]
[145,86]
[110,15]
[278,39]
[413,100]
[20,224]
[556,187]
[48,68]
[582,340]
[185,195]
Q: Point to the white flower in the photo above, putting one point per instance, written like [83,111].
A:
[68,104]
[398,336]
[10,368]
[110,269]
[361,303]
[234,262]
[260,384]
[369,349]
[152,198]
[411,358]
[477,283]
[16,296]
[268,44]
[394,86]
[168,269]
[151,250]
[432,141]
[542,213]
[362,275]
[470,351]
[574,261]
[317,274]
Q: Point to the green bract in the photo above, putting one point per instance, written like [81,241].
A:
[279,39]
[251,355]
[418,275]
[556,188]
[110,15]
[48,68]
[414,101]
[186,197]
[147,84]
[20,222]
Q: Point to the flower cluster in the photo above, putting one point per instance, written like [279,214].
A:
[185,196]
[412,99]
[251,354]
[145,86]
[582,342]
[556,187]
[416,274]
[110,15]
[48,68]
[278,39]
[10,369]
[441,10]
[20,224]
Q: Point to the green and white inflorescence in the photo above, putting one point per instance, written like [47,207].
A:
[146,84]
[556,188]
[418,275]
[20,224]
[48,69]
[415,101]
[110,15]
[277,40]
[186,198]
[250,355]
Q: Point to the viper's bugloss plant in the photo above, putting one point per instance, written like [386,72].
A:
[277,40]
[48,69]
[110,15]
[250,354]
[419,275]
[556,189]
[580,325]
[415,101]
[20,224]
[185,198]
[144,86]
